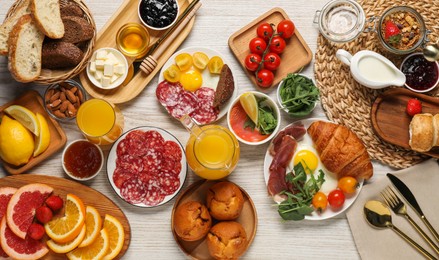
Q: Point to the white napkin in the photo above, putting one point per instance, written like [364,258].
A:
[372,243]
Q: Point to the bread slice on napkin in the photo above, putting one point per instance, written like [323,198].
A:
[25,46]
[21,9]
[47,15]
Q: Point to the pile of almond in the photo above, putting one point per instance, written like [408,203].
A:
[64,99]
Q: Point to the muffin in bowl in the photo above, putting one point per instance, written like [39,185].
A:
[192,221]
[227,240]
[225,201]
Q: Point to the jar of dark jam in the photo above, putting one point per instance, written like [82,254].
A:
[158,14]
[421,75]
[82,160]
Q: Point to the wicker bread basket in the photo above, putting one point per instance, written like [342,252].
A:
[48,76]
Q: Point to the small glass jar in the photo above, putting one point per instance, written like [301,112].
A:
[340,20]
[132,39]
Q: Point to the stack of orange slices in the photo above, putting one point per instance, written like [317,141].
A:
[82,234]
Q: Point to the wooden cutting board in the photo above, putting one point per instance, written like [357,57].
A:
[88,195]
[390,121]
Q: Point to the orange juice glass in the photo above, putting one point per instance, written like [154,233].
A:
[100,121]
[212,151]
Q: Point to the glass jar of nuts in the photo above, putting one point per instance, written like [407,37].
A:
[63,99]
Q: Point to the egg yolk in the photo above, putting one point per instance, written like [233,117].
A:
[308,159]
[191,80]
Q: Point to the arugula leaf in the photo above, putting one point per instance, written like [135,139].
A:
[298,95]
[267,121]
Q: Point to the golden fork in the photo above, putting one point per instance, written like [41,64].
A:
[399,208]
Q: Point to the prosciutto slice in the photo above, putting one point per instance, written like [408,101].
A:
[296,131]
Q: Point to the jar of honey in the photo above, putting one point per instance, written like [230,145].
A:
[132,40]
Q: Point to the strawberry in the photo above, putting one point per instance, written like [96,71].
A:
[414,106]
[54,202]
[43,214]
[392,32]
[36,231]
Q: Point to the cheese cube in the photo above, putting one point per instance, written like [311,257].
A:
[101,55]
[93,67]
[111,59]
[114,78]
[108,70]
[98,75]
[106,81]
[119,69]
[99,64]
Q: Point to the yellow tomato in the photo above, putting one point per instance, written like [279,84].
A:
[172,74]
[184,61]
[215,65]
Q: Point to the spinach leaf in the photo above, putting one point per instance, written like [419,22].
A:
[298,95]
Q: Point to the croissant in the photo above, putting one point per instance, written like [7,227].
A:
[340,150]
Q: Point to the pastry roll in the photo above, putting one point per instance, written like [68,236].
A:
[422,132]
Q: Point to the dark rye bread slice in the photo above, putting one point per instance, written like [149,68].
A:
[71,9]
[77,29]
[225,87]
[58,55]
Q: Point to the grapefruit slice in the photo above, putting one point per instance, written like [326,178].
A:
[18,248]
[21,208]
[5,195]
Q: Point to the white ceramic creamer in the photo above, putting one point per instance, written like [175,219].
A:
[371,69]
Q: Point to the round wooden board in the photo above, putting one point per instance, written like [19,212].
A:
[88,195]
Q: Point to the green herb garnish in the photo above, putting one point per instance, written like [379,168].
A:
[298,204]
[267,120]
[298,95]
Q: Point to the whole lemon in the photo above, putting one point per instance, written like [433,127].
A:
[16,142]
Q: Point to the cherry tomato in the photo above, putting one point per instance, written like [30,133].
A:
[277,44]
[265,78]
[320,201]
[271,61]
[336,198]
[257,45]
[286,29]
[252,61]
[265,31]
[347,184]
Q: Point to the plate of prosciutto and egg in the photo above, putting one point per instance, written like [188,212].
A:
[315,169]
[199,82]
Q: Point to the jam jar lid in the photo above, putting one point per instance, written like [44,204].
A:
[341,20]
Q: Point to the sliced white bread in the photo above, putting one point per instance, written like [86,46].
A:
[22,8]
[25,47]
[47,15]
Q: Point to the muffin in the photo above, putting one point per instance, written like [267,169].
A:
[224,201]
[227,240]
[192,221]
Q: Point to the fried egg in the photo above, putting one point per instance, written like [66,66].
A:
[191,80]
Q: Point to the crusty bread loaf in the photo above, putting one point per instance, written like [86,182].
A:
[192,221]
[225,87]
[21,9]
[227,240]
[71,9]
[340,150]
[47,15]
[58,55]
[436,130]
[76,29]
[25,46]
[224,201]
[421,132]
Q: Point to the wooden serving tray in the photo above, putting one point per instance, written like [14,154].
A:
[127,13]
[88,195]
[198,192]
[296,55]
[390,121]
[34,102]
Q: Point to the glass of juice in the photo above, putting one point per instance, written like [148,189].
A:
[100,121]
[212,151]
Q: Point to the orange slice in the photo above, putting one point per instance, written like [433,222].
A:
[68,227]
[116,234]
[62,248]
[96,250]
[93,224]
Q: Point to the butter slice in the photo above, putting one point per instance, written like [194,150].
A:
[98,75]
[99,64]
[106,81]
[108,70]
[93,67]
[111,59]
[101,55]
[119,69]
[114,78]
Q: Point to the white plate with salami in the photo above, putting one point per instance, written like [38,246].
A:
[195,90]
[304,151]
[146,166]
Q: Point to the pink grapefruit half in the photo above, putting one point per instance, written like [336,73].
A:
[5,195]
[22,206]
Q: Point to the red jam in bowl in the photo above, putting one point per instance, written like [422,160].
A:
[82,159]
[420,74]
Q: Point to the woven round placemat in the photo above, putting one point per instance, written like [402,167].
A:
[348,103]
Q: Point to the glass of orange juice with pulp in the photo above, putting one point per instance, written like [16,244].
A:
[212,151]
[100,121]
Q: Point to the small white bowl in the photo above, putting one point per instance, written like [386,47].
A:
[273,106]
[437,73]
[116,83]
[158,28]
[83,153]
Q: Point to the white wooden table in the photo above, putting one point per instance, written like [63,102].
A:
[215,22]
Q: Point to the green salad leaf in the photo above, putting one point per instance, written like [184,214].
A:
[298,95]
[267,120]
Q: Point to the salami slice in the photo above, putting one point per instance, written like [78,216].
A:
[187,104]
[169,166]
[133,164]
[154,140]
[172,150]
[133,190]
[168,93]
[205,115]
[206,94]
[120,175]
[169,183]
[136,143]
[123,147]
[153,195]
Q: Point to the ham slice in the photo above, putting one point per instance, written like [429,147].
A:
[296,131]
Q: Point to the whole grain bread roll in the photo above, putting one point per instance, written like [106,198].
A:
[340,150]
[58,55]
[192,221]
[77,29]
[224,201]
[47,15]
[25,47]
[227,240]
